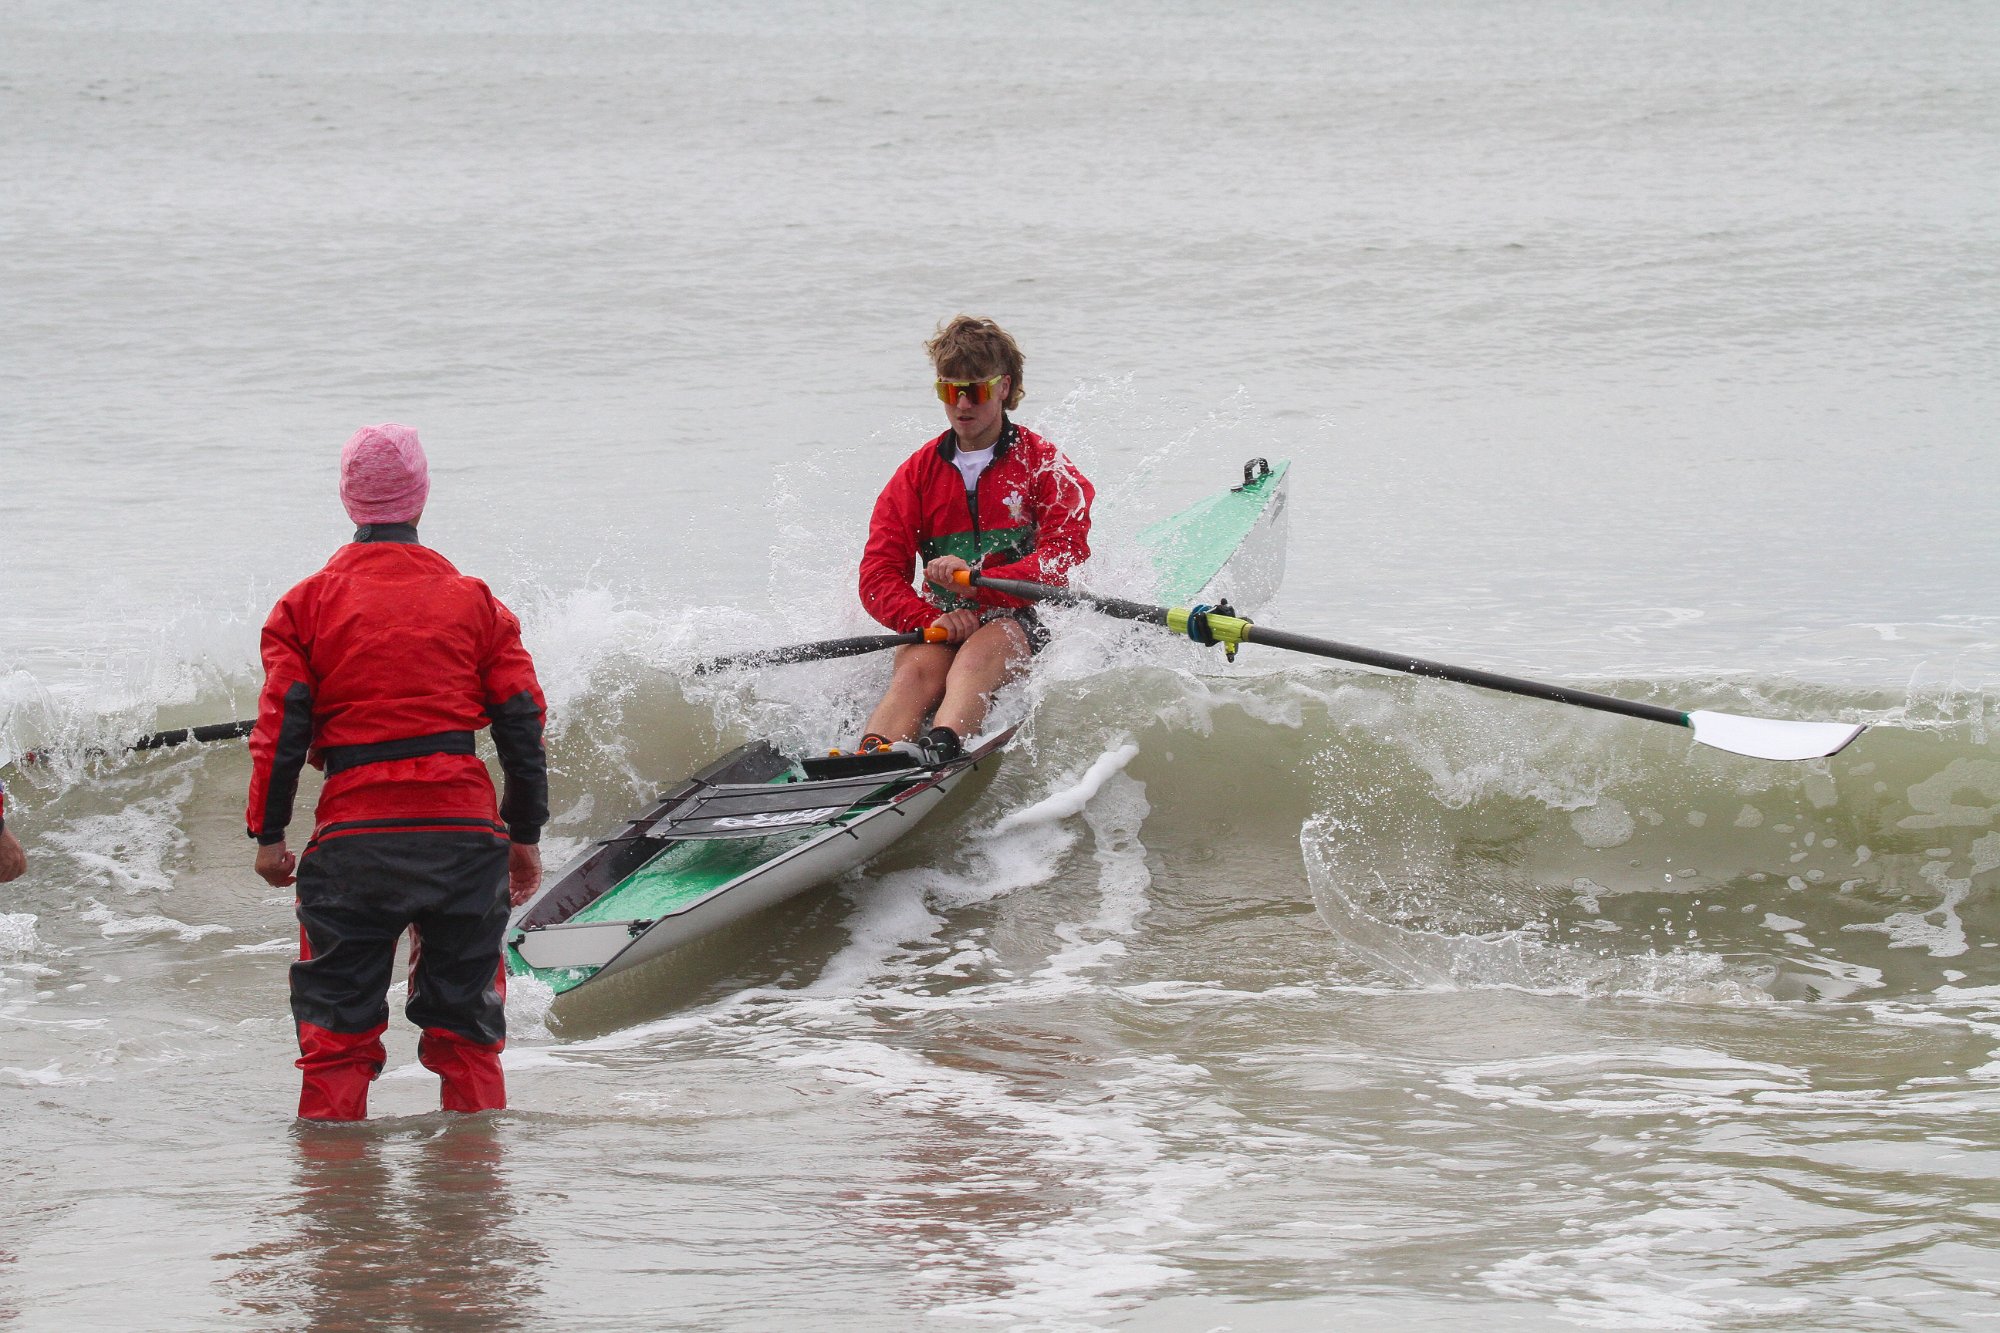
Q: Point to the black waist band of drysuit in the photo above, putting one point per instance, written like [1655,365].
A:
[340,758]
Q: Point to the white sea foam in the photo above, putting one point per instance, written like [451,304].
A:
[48,1076]
[897,912]
[1208,993]
[1939,930]
[112,925]
[130,847]
[1070,800]
[1632,1271]
[1115,813]
[1605,823]
[278,946]
[17,935]
[529,1000]
[1136,1189]
[1623,1082]
[1936,800]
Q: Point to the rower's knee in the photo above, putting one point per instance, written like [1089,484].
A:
[1018,650]
[991,658]
[923,668]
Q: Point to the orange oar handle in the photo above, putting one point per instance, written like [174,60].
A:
[962,577]
[936,634]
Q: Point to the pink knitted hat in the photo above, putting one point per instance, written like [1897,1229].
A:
[384,476]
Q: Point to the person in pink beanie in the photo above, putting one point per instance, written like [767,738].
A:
[384,476]
[379,669]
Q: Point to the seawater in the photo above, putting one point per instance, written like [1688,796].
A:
[1644,347]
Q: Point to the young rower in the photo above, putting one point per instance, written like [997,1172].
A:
[13,861]
[379,668]
[988,495]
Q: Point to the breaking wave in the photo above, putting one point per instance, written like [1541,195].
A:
[1447,837]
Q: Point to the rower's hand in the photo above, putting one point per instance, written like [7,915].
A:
[940,570]
[277,865]
[958,624]
[13,861]
[524,871]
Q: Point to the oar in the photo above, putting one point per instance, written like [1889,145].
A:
[1757,737]
[216,731]
[822,651]
[160,740]
[803,652]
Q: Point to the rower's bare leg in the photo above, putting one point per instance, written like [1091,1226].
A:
[994,655]
[915,687]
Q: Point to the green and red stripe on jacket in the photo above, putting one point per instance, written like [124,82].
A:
[1028,519]
[379,668]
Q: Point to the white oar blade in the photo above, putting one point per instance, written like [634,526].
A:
[1770,738]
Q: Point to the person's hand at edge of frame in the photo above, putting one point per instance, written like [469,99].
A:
[524,871]
[276,865]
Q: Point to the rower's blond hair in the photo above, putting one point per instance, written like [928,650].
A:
[968,347]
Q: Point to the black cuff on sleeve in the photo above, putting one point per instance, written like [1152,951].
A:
[517,735]
[266,839]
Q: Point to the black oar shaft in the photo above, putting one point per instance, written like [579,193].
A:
[1490,680]
[822,651]
[216,731]
[162,740]
[1110,606]
[1753,737]
[1346,652]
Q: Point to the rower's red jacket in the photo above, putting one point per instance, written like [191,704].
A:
[1028,519]
[379,668]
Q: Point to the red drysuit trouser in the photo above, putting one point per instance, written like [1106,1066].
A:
[357,894]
